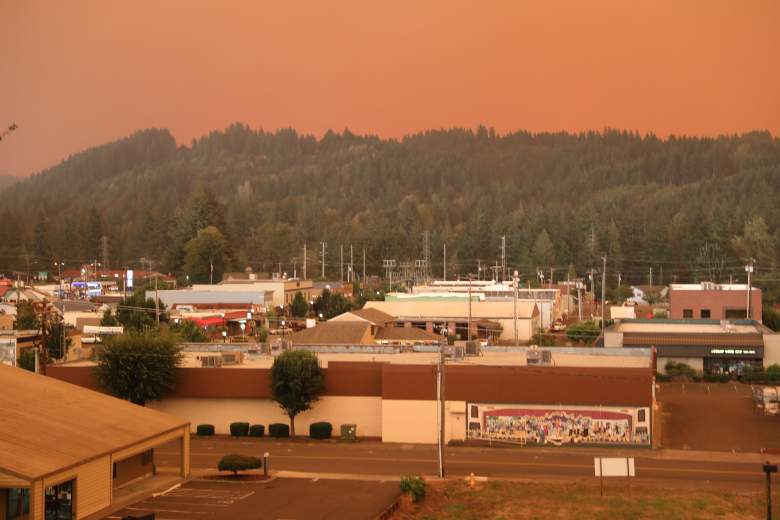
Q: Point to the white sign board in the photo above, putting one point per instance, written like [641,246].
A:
[129,276]
[310,322]
[8,352]
[614,466]
[95,329]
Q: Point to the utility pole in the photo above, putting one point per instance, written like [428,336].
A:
[445,262]
[442,401]
[749,270]
[364,265]
[322,262]
[351,265]
[341,262]
[603,291]
[479,269]
[157,301]
[304,261]
[515,279]
[651,277]
[552,270]
[468,326]
[503,258]
[579,299]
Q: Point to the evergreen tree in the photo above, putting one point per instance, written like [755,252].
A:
[206,256]
[543,253]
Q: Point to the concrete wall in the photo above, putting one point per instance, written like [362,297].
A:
[337,410]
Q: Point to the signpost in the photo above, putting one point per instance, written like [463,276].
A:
[614,467]
[769,469]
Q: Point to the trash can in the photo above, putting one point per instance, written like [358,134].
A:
[349,432]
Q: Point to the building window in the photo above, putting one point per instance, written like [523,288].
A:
[705,314]
[474,411]
[17,503]
[640,415]
[687,313]
[147,457]
[735,314]
[59,502]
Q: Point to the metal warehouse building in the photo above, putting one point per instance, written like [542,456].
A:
[64,449]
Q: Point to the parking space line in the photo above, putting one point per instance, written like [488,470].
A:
[155,510]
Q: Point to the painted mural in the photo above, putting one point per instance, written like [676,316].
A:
[531,424]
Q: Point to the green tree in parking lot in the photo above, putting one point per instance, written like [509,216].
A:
[296,382]
[138,367]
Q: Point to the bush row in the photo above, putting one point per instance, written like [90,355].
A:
[318,430]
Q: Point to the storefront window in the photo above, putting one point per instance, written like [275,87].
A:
[59,502]
[17,503]
[730,366]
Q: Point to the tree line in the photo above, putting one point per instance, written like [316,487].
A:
[693,208]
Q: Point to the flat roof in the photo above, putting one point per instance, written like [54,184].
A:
[442,309]
[657,326]
[49,425]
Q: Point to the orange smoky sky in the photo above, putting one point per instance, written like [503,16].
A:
[79,73]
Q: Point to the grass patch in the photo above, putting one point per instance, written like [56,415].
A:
[505,500]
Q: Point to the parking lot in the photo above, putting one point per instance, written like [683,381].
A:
[714,416]
[279,499]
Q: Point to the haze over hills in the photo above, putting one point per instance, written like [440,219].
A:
[7,180]
[693,207]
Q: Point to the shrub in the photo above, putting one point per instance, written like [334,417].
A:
[239,429]
[278,430]
[205,430]
[680,371]
[320,430]
[415,486]
[236,463]
[256,430]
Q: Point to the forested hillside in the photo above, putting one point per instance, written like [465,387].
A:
[691,207]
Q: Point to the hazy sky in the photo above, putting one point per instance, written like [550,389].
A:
[79,73]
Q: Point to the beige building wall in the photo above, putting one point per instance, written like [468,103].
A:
[337,410]
[413,421]
[405,420]
[92,489]
[771,349]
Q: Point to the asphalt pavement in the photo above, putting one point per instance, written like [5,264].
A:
[371,460]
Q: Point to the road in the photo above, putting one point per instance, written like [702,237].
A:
[375,459]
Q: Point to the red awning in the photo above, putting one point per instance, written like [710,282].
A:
[210,321]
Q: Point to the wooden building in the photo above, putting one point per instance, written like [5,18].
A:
[65,448]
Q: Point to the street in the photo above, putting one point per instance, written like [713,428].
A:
[370,459]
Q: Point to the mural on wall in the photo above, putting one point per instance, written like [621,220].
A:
[558,425]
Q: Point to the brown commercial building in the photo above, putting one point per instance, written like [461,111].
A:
[712,301]
[398,402]
[65,450]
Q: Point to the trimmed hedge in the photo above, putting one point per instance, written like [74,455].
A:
[205,430]
[239,429]
[278,430]
[256,430]
[320,430]
[236,463]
